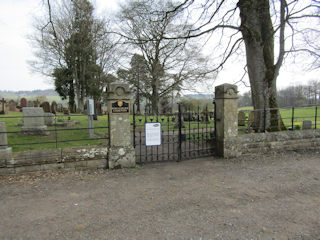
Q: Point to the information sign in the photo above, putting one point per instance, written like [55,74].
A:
[153,134]
[90,107]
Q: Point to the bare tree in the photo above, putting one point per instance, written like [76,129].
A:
[261,27]
[170,62]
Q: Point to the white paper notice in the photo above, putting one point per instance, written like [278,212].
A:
[153,134]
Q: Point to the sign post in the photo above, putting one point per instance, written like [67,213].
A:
[90,111]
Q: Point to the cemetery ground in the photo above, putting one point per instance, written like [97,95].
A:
[64,137]
[274,196]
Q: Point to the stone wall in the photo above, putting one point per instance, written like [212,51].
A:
[56,159]
[272,142]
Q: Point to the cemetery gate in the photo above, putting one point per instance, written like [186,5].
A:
[174,136]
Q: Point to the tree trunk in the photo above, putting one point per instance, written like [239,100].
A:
[258,35]
[71,97]
[155,95]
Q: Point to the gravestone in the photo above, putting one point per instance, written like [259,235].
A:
[59,107]
[241,119]
[36,103]
[251,119]
[3,109]
[5,151]
[54,107]
[46,107]
[306,124]
[30,104]
[187,116]
[33,121]
[205,116]
[23,102]
[49,119]
[66,111]
[12,106]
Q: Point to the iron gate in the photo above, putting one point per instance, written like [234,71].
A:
[184,135]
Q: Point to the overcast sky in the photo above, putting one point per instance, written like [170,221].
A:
[16,18]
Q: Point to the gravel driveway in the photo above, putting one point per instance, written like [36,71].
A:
[258,197]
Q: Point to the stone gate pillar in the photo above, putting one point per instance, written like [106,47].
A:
[5,151]
[121,152]
[226,98]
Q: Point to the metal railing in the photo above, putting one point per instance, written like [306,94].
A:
[63,131]
[289,118]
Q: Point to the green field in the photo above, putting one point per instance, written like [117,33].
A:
[58,136]
[299,114]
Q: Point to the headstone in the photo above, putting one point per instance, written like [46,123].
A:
[66,111]
[46,107]
[30,104]
[241,118]
[36,103]
[3,109]
[5,151]
[54,107]
[187,116]
[59,107]
[306,124]
[251,119]
[205,116]
[12,106]
[23,102]
[49,119]
[33,121]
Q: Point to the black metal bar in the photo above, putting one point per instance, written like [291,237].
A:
[63,141]
[198,130]
[63,129]
[264,119]
[157,120]
[145,121]
[292,119]
[214,118]
[207,120]
[190,118]
[56,133]
[315,118]
[140,146]
[134,126]
[168,121]
[173,150]
[179,136]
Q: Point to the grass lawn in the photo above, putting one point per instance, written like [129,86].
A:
[58,137]
[300,114]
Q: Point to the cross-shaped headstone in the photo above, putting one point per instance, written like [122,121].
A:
[3,104]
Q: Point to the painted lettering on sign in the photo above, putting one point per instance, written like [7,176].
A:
[120,106]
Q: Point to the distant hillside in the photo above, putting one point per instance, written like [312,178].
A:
[49,94]
[198,96]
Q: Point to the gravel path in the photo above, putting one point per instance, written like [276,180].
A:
[260,197]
